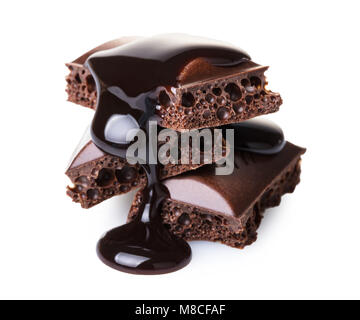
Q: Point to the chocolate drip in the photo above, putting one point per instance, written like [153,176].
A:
[257,136]
[129,80]
[145,246]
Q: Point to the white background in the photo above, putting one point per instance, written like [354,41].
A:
[307,248]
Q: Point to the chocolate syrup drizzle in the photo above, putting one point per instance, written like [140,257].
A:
[257,136]
[129,79]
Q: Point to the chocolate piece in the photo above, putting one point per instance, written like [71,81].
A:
[171,75]
[97,176]
[203,206]
[205,94]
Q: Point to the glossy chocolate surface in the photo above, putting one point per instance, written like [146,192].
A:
[128,80]
[257,136]
[233,194]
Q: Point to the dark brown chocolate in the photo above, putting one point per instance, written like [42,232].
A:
[228,209]
[181,82]
[80,83]
[97,176]
[206,95]
[135,83]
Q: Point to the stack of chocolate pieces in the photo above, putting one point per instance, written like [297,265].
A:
[191,83]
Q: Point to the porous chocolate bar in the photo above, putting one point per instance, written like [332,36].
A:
[97,176]
[205,95]
[228,209]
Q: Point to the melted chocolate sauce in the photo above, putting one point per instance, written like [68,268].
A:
[128,80]
[257,136]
